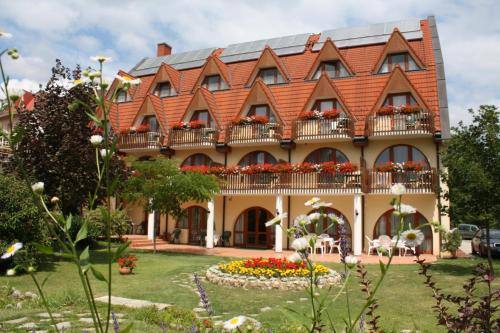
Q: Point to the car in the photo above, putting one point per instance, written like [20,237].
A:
[467,230]
[479,244]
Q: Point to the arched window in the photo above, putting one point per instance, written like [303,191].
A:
[325,225]
[322,155]
[196,160]
[388,224]
[400,154]
[257,157]
[194,219]
[250,228]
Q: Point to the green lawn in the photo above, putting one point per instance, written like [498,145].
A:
[404,301]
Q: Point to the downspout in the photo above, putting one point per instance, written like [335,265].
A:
[224,199]
[362,204]
[289,205]
[438,169]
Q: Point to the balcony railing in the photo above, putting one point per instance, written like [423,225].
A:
[146,140]
[400,124]
[423,181]
[253,133]
[317,129]
[193,137]
[291,183]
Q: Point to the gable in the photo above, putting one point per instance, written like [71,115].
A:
[268,59]
[202,100]
[166,73]
[329,52]
[151,106]
[213,66]
[259,94]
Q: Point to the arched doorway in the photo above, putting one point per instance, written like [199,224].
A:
[326,154]
[388,224]
[326,226]
[197,160]
[194,219]
[401,154]
[257,157]
[250,229]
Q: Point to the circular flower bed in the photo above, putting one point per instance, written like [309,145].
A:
[269,273]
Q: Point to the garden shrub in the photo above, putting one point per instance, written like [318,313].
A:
[120,223]
[452,241]
[20,221]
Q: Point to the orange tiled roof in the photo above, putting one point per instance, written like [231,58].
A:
[359,92]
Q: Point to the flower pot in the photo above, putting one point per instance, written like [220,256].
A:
[125,270]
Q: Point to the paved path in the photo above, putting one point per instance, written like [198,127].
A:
[131,303]
[140,242]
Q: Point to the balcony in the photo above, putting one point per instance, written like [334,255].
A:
[397,124]
[323,129]
[190,137]
[291,183]
[140,141]
[247,134]
[423,181]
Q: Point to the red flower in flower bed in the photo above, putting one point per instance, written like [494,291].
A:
[128,261]
[273,263]
[143,128]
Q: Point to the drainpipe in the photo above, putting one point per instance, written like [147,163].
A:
[224,198]
[438,168]
[362,204]
[289,205]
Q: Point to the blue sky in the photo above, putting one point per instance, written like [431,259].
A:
[129,30]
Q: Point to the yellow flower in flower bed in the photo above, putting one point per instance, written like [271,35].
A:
[271,267]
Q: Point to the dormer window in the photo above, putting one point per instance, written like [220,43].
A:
[121,96]
[271,76]
[332,68]
[203,117]
[262,111]
[214,82]
[327,104]
[150,123]
[163,89]
[400,99]
[404,60]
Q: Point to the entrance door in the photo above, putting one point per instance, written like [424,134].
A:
[250,229]
[197,223]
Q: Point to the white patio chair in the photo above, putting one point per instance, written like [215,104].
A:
[372,244]
[385,242]
[402,247]
[335,244]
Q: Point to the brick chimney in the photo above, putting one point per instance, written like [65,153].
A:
[163,49]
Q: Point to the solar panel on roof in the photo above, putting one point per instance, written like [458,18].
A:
[372,34]
[251,50]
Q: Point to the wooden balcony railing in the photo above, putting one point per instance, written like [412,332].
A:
[254,133]
[193,137]
[146,140]
[423,181]
[317,129]
[400,124]
[291,183]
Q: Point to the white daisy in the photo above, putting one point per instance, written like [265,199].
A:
[296,258]
[38,187]
[398,189]
[96,140]
[5,34]
[234,322]
[351,261]
[405,209]
[321,204]
[302,219]
[100,58]
[54,200]
[412,237]
[300,244]
[276,220]
[11,250]
[314,216]
[312,201]
[128,80]
[11,272]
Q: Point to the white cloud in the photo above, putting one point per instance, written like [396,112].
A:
[23,84]
[129,30]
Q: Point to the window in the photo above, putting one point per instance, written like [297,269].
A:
[332,68]
[404,60]
[163,89]
[214,82]
[204,117]
[151,122]
[326,155]
[197,160]
[326,225]
[271,76]
[327,104]
[121,96]
[400,154]
[400,99]
[262,110]
[257,157]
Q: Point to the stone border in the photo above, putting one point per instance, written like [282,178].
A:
[218,277]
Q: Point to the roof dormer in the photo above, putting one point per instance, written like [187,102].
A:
[397,51]
[202,108]
[166,82]
[121,95]
[214,75]
[151,114]
[269,68]
[260,102]
[330,61]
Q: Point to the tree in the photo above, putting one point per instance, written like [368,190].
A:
[55,146]
[472,163]
[160,186]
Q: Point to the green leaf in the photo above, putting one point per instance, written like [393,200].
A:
[85,258]
[94,118]
[382,267]
[126,329]
[44,281]
[43,248]
[119,251]
[98,275]
[82,233]
[68,222]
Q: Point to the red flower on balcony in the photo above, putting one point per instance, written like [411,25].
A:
[252,120]
[196,124]
[98,131]
[310,115]
[143,128]
[125,131]
[409,109]
[386,110]
[330,114]
[346,167]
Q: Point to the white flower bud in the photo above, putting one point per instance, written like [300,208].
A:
[300,244]
[38,187]
[96,140]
